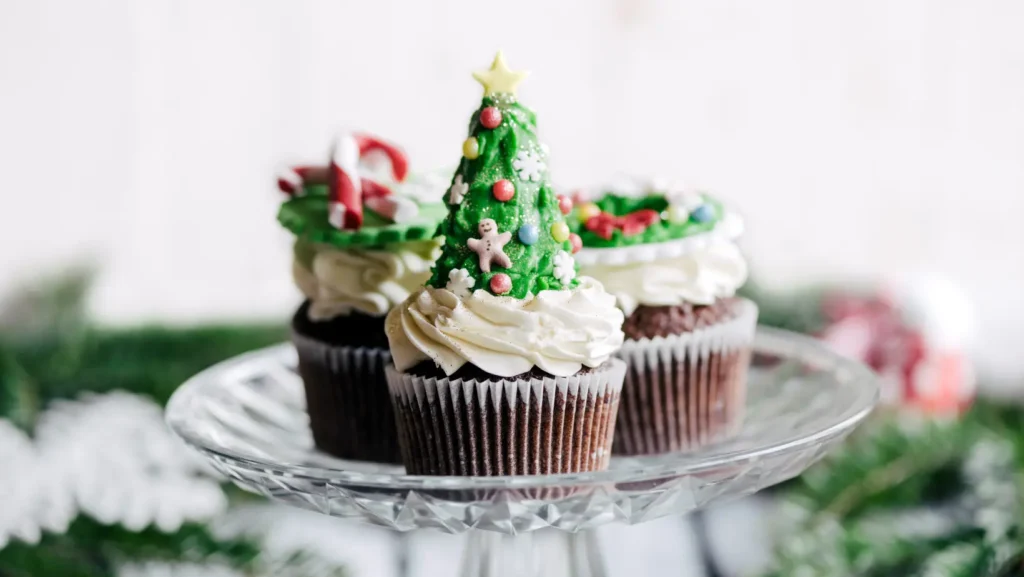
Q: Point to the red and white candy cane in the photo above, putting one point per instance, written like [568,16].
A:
[348,189]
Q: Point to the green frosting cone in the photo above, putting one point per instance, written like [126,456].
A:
[503,146]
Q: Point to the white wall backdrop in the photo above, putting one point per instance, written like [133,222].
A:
[860,138]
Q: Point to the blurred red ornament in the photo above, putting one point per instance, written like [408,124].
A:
[501,283]
[921,369]
[490,117]
[503,190]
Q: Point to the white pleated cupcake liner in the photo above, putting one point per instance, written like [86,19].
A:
[509,426]
[347,399]
[685,391]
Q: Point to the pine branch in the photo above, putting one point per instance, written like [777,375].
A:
[151,361]
[53,305]
[862,511]
[18,395]
[90,549]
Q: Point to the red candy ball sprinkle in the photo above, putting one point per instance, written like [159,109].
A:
[564,204]
[576,242]
[490,117]
[501,283]
[503,190]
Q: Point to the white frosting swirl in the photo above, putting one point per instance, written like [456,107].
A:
[700,276]
[558,331]
[372,282]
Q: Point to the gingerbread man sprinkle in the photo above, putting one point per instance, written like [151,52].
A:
[491,245]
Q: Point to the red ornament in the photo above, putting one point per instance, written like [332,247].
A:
[564,204]
[501,283]
[917,373]
[503,190]
[490,117]
[576,242]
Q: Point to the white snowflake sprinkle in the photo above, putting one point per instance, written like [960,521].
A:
[460,283]
[458,191]
[565,267]
[529,165]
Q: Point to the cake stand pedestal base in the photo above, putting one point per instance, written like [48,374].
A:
[547,553]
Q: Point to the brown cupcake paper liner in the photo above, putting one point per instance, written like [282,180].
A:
[507,427]
[347,399]
[685,391]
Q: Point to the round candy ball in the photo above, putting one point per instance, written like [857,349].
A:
[560,232]
[490,117]
[528,234]
[501,283]
[576,242]
[703,213]
[588,210]
[564,204]
[677,214]
[471,148]
[503,190]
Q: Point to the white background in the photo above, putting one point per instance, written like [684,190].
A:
[861,139]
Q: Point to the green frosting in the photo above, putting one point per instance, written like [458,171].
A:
[534,203]
[661,231]
[306,216]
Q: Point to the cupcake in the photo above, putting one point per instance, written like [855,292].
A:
[503,362]
[671,261]
[361,248]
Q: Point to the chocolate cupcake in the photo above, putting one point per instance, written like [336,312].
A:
[503,361]
[670,260]
[360,250]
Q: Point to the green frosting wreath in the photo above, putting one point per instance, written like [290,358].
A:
[306,217]
[661,231]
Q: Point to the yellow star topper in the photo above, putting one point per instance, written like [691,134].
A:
[499,79]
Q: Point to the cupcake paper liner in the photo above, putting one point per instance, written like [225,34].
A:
[507,427]
[347,399]
[685,391]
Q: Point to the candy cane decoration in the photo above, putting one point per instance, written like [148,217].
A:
[348,189]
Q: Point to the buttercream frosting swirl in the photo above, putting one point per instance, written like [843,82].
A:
[557,331]
[699,276]
[340,281]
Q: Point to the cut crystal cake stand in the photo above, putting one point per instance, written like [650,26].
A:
[247,417]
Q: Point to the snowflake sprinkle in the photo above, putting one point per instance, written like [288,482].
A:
[565,267]
[460,283]
[457,191]
[529,165]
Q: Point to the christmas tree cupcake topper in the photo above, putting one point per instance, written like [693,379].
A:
[505,231]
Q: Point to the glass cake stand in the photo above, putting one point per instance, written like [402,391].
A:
[247,417]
